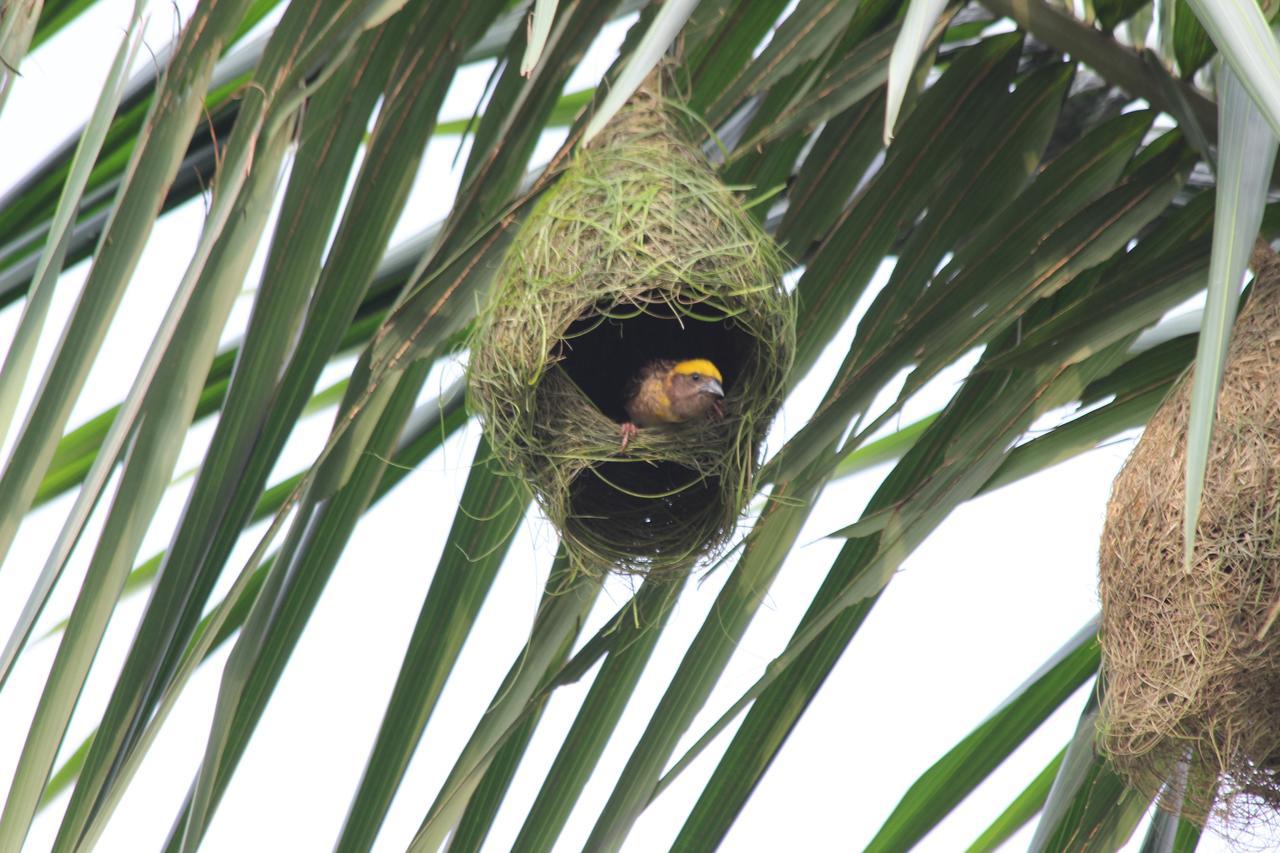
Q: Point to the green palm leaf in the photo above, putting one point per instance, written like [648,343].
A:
[1010,257]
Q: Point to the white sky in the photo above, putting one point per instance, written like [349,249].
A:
[995,592]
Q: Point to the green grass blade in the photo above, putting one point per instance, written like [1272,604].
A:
[78,448]
[787,691]
[1076,436]
[195,320]
[1021,811]
[431,424]
[491,508]
[281,611]
[1089,808]
[888,449]
[841,268]
[16,30]
[510,128]
[1191,44]
[1097,233]
[987,306]
[405,122]
[503,143]
[145,573]
[17,360]
[907,48]
[840,156]
[167,408]
[565,604]
[1138,388]
[140,670]
[955,775]
[773,715]
[599,714]
[59,13]
[246,443]
[584,757]
[177,362]
[720,40]
[888,338]
[477,820]
[32,200]
[447,284]
[991,175]
[1162,834]
[778,703]
[844,264]
[27,209]
[1112,12]
[856,76]
[805,35]
[767,546]
[1245,40]
[1137,288]
[985,417]
[1150,366]
[662,32]
[152,169]
[544,12]
[65,776]
[757,567]
[450,282]
[1246,154]
[1187,838]
[171,127]
[565,111]
[353,247]
[1136,399]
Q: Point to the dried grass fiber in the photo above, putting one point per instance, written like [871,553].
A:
[1191,691]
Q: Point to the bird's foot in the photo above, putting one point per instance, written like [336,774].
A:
[628,432]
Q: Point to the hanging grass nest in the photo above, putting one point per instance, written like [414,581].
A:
[1191,664]
[637,253]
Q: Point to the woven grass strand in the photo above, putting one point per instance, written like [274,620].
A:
[1192,692]
[638,226]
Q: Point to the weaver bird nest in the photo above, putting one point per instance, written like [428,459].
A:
[638,252]
[1191,664]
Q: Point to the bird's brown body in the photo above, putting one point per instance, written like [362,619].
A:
[667,392]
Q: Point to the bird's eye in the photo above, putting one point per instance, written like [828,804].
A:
[696,377]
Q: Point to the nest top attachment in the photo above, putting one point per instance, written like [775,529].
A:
[637,253]
[1191,707]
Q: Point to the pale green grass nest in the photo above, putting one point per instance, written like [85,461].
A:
[637,252]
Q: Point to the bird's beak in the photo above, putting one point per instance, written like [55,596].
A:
[713,388]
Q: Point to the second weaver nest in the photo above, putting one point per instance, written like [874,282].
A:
[1191,660]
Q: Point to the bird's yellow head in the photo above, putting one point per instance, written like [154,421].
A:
[669,392]
[698,368]
[694,389]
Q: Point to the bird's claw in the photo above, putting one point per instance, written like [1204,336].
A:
[628,432]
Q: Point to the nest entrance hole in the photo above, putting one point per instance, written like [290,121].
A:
[646,508]
[606,347]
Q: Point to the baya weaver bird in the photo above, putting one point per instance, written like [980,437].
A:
[667,392]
